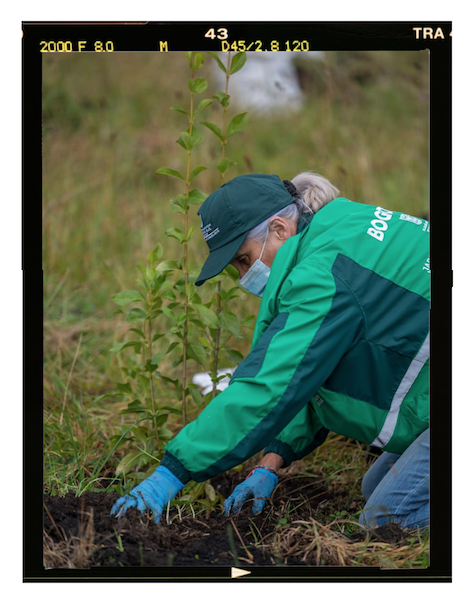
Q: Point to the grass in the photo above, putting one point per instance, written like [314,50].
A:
[319,544]
[71,551]
[107,127]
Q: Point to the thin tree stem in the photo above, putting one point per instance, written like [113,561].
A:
[152,391]
[186,273]
[218,287]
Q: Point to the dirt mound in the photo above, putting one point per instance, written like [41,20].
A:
[80,533]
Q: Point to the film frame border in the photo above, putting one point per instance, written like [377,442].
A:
[183,36]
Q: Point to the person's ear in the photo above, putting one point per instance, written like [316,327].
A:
[281,228]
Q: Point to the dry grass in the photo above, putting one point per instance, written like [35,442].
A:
[71,551]
[314,543]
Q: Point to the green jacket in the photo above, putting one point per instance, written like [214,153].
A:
[341,344]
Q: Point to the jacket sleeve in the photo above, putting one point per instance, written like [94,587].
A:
[316,322]
[301,436]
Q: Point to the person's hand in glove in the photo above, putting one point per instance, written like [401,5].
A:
[258,485]
[154,493]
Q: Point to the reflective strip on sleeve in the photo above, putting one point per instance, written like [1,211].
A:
[411,374]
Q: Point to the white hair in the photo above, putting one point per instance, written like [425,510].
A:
[313,192]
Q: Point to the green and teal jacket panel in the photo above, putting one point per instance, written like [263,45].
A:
[341,344]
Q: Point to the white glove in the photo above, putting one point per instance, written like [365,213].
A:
[204,381]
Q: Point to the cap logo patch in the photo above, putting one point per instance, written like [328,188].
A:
[208,233]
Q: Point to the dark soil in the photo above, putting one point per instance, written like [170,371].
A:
[82,529]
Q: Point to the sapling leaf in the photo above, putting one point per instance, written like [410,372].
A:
[168,294]
[208,316]
[198,85]
[180,204]
[193,275]
[211,492]
[171,347]
[197,322]
[127,296]
[196,196]
[196,395]
[181,318]
[169,313]
[218,61]
[230,323]
[232,272]
[167,266]
[161,418]
[196,136]
[222,98]
[214,128]
[224,164]
[124,387]
[237,468]
[165,284]
[138,332]
[238,61]
[230,294]
[202,105]
[143,382]
[179,109]
[190,289]
[171,409]
[150,274]
[140,434]
[196,60]
[177,209]
[127,462]
[157,358]
[249,321]
[237,124]
[156,254]
[151,365]
[134,407]
[168,171]
[142,284]
[135,315]
[188,236]
[106,396]
[119,347]
[165,434]
[185,140]
[235,355]
[197,352]
[194,173]
[174,232]
[169,380]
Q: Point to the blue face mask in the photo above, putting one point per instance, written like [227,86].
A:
[257,276]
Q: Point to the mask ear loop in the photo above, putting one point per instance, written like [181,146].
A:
[264,244]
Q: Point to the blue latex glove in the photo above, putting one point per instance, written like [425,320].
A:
[258,485]
[154,493]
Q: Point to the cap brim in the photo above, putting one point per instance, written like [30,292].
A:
[218,259]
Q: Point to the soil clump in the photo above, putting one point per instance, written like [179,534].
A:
[80,532]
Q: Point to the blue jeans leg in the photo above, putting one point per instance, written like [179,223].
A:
[377,472]
[396,487]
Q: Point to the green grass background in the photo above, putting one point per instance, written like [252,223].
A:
[107,127]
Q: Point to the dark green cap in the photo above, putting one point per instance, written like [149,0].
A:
[228,215]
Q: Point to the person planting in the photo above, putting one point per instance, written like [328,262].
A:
[341,344]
